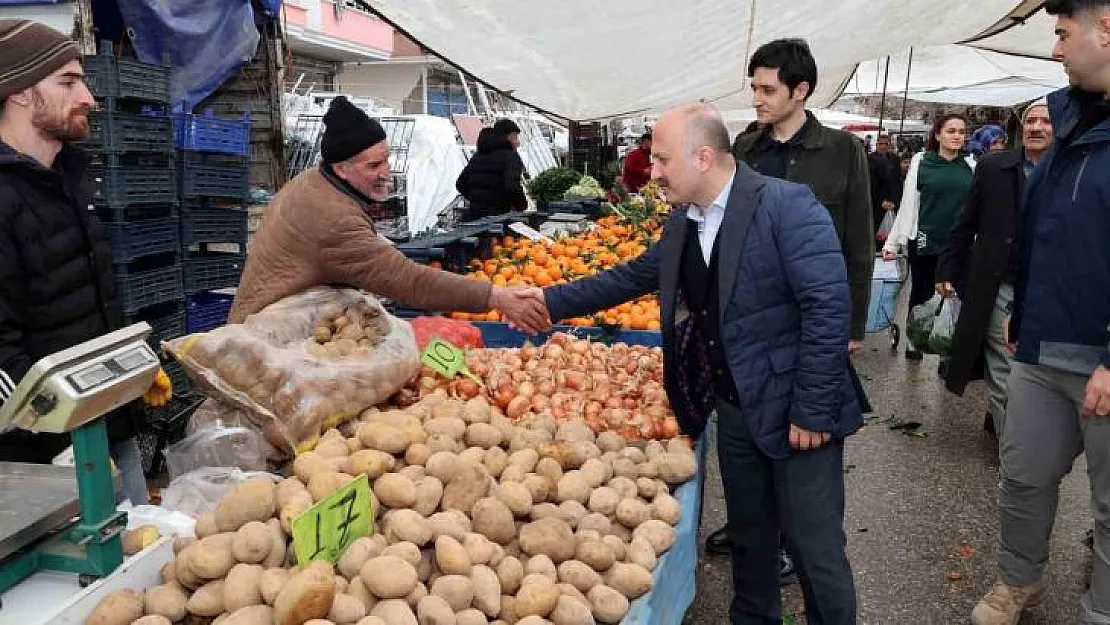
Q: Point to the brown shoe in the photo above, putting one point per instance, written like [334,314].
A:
[1004,603]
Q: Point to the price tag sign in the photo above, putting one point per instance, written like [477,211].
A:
[528,232]
[324,531]
[446,359]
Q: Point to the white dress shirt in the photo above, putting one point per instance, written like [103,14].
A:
[709,219]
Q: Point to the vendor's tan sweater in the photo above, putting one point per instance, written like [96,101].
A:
[315,234]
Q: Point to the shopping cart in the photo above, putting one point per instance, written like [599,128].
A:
[886,284]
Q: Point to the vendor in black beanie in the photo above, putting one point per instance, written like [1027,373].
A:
[354,150]
[318,231]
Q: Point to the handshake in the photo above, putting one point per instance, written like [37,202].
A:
[524,307]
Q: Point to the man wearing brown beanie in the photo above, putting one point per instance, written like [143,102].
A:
[317,231]
[57,288]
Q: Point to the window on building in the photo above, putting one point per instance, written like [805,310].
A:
[446,95]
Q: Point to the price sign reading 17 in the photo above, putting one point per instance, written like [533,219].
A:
[446,359]
[324,531]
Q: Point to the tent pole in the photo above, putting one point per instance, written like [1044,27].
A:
[906,92]
[882,103]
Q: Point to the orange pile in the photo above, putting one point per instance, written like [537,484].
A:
[519,261]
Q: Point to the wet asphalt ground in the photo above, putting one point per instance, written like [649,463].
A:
[921,517]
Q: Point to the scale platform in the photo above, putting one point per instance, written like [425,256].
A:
[35,500]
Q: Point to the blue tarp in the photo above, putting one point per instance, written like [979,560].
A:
[205,41]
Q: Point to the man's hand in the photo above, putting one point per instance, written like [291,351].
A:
[888,205]
[160,392]
[525,308]
[1011,345]
[945,289]
[804,440]
[854,346]
[1096,403]
[889,254]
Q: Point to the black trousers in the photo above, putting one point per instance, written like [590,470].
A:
[801,497]
[923,272]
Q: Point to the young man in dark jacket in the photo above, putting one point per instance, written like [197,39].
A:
[57,287]
[983,255]
[794,146]
[886,181]
[491,181]
[1059,387]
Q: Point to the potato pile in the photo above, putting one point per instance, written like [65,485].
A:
[341,334]
[480,521]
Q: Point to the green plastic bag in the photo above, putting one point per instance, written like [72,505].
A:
[944,327]
[919,326]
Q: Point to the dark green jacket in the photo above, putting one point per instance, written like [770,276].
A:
[833,164]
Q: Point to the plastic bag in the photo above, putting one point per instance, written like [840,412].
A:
[944,327]
[200,491]
[216,443]
[919,326]
[459,333]
[304,364]
[168,522]
[885,227]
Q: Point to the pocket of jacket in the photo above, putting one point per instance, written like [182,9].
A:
[783,360]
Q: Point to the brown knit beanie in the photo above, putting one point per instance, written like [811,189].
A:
[29,52]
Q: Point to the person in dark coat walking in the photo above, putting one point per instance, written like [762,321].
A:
[886,180]
[756,315]
[491,181]
[983,254]
[57,286]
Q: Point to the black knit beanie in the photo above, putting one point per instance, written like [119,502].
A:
[29,52]
[348,130]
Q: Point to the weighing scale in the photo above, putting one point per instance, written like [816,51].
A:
[65,518]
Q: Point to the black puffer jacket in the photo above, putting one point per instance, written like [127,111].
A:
[57,288]
[491,180]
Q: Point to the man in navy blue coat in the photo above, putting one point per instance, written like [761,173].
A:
[756,324]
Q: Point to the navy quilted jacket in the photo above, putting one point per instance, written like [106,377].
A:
[785,313]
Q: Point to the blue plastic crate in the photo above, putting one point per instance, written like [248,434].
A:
[209,271]
[205,311]
[132,240]
[115,132]
[208,175]
[132,179]
[111,77]
[167,321]
[202,222]
[207,133]
[143,284]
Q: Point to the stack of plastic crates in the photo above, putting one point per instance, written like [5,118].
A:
[132,147]
[448,250]
[214,169]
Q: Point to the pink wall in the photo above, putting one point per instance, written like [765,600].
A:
[352,25]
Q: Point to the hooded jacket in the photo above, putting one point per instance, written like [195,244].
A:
[491,181]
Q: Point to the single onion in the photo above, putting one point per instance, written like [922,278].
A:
[516,407]
[540,402]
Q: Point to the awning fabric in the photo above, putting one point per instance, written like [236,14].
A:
[584,60]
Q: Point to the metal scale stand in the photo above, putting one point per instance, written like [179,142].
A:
[50,518]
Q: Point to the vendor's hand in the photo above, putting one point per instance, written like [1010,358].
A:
[804,440]
[888,205]
[945,289]
[1096,402]
[889,254]
[161,391]
[525,308]
[854,346]
[1011,345]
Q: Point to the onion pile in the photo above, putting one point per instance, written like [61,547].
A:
[617,388]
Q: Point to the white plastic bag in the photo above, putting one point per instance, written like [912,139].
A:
[919,326]
[944,327]
[885,227]
[200,491]
[294,382]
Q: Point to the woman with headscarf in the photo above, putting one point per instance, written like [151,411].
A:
[936,188]
[989,138]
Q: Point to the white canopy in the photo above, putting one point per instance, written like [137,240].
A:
[584,60]
[958,74]
[1034,37]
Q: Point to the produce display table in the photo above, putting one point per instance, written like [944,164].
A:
[674,590]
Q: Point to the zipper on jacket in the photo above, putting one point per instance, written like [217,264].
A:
[1079,176]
